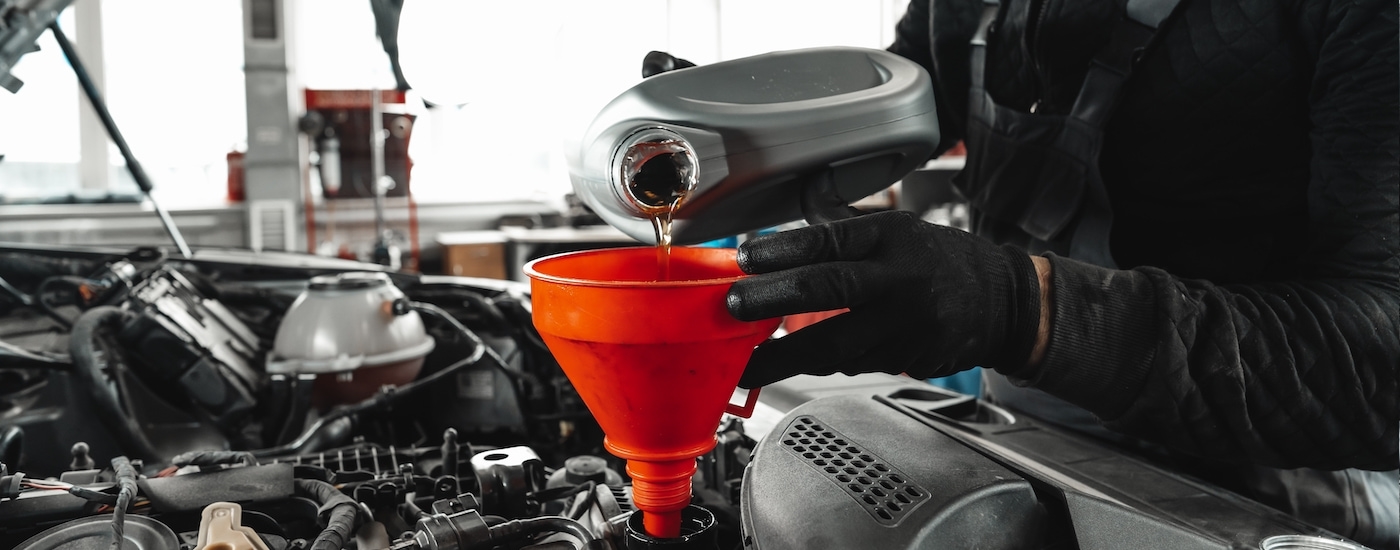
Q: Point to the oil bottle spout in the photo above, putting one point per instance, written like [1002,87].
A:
[740,140]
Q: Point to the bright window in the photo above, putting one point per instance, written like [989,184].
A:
[174,72]
[173,82]
[40,137]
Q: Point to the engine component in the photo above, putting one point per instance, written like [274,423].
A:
[469,529]
[192,492]
[367,461]
[605,502]
[697,532]
[9,484]
[95,533]
[356,332]
[893,493]
[443,532]
[581,469]
[907,477]
[184,339]
[82,460]
[339,513]
[506,477]
[221,528]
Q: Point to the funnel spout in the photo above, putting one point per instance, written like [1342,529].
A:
[661,490]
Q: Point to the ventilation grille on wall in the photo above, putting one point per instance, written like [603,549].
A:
[270,225]
[884,491]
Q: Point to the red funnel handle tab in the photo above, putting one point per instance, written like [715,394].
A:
[745,410]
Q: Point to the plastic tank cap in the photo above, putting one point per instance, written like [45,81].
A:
[221,528]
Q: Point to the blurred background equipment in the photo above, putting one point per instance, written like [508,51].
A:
[360,142]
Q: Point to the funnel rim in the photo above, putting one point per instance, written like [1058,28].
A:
[533,273]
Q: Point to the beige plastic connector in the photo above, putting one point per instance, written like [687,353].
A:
[221,528]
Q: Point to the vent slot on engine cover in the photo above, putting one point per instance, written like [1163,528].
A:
[885,492]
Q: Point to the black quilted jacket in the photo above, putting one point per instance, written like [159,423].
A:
[1253,169]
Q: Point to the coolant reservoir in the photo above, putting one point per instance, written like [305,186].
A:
[346,330]
[742,137]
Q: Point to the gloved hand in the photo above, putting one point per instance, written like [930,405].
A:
[924,299]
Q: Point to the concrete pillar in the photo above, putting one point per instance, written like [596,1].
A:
[94,165]
[275,160]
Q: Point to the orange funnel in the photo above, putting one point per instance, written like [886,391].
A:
[655,361]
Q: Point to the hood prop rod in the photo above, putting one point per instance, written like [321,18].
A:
[95,98]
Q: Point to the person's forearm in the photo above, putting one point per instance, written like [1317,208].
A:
[1042,335]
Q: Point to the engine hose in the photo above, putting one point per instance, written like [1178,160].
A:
[340,528]
[340,421]
[521,528]
[410,512]
[492,521]
[43,304]
[340,513]
[476,341]
[17,294]
[11,444]
[589,499]
[26,268]
[82,348]
[214,458]
[126,479]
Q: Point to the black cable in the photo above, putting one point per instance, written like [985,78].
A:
[589,499]
[43,304]
[557,493]
[410,512]
[299,408]
[15,357]
[83,350]
[214,458]
[379,400]
[24,299]
[500,364]
[390,395]
[93,496]
[340,528]
[339,512]
[493,314]
[521,528]
[11,444]
[126,479]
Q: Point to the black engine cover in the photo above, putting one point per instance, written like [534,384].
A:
[849,472]
[919,469]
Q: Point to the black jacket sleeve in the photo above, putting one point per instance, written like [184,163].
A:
[1296,373]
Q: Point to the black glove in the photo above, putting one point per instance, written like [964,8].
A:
[924,299]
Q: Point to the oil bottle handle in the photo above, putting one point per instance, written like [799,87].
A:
[745,410]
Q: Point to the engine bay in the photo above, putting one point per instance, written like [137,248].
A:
[270,402]
[182,371]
